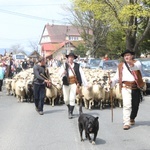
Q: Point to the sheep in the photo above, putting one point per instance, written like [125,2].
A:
[105,95]
[13,86]
[8,86]
[88,96]
[29,90]
[20,90]
[97,92]
[117,95]
[51,94]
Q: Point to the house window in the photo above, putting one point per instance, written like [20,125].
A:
[73,38]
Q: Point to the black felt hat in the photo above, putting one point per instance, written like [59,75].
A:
[127,51]
[72,54]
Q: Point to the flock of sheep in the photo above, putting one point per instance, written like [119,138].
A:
[98,94]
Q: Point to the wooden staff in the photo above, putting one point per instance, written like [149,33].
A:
[111,99]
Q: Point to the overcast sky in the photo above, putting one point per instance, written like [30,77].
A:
[22,21]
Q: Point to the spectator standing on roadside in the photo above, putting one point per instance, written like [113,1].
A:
[2,72]
[25,64]
[106,57]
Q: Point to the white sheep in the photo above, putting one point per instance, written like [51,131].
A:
[88,96]
[8,86]
[20,90]
[51,94]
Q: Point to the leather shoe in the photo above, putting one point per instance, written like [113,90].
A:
[41,113]
[36,109]
[126,127]
[132,122]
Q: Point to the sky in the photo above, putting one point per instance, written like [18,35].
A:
[22,21]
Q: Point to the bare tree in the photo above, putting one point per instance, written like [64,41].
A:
[33,45]
[16,49]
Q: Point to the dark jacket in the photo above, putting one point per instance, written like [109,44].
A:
[37,70]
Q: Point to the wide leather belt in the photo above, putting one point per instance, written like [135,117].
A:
[72,80]
[129,84]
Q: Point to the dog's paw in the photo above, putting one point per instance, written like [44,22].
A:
[93,142]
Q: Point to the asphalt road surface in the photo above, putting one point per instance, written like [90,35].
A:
[22,128]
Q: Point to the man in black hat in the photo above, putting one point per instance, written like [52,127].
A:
[72,76]
[128,87]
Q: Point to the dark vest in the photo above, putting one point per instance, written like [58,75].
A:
[77,73]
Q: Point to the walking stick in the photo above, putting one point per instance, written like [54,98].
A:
[51,82]
[111,99]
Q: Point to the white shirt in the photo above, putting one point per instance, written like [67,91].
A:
[83,78]
[126,75]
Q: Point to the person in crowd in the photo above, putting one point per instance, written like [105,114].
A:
[9,64]
[72,76]
[106,57]
[18,66]
[2,73]
[41,80]
[129,87]
[31,63]
[25,64]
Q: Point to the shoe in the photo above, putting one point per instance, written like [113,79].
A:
[36,109]
[71,110]
[126,127]
[41,113]
[132,122]
[69,115]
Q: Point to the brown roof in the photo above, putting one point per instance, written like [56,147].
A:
[34,53]
[58,33]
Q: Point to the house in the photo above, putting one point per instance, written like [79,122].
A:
[58,40]
[34,55]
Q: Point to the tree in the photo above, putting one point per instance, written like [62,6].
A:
[127,15]
[92,30]
[115,43]
[80,50]
[33,45]
[16,49]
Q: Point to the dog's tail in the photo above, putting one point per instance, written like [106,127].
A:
[80,109]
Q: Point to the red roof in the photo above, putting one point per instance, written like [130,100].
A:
[52,47]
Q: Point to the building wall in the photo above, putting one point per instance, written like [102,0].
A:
[61,53]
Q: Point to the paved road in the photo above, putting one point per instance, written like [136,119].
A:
[22,128]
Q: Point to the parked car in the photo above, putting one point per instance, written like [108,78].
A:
[94,63]
[109,65]
[145,62]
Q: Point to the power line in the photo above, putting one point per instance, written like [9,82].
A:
[34,5]
[5,39]
[30,16]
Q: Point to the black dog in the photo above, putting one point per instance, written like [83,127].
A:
[88,123]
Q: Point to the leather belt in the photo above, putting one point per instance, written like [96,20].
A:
[129,84]
[72,80]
